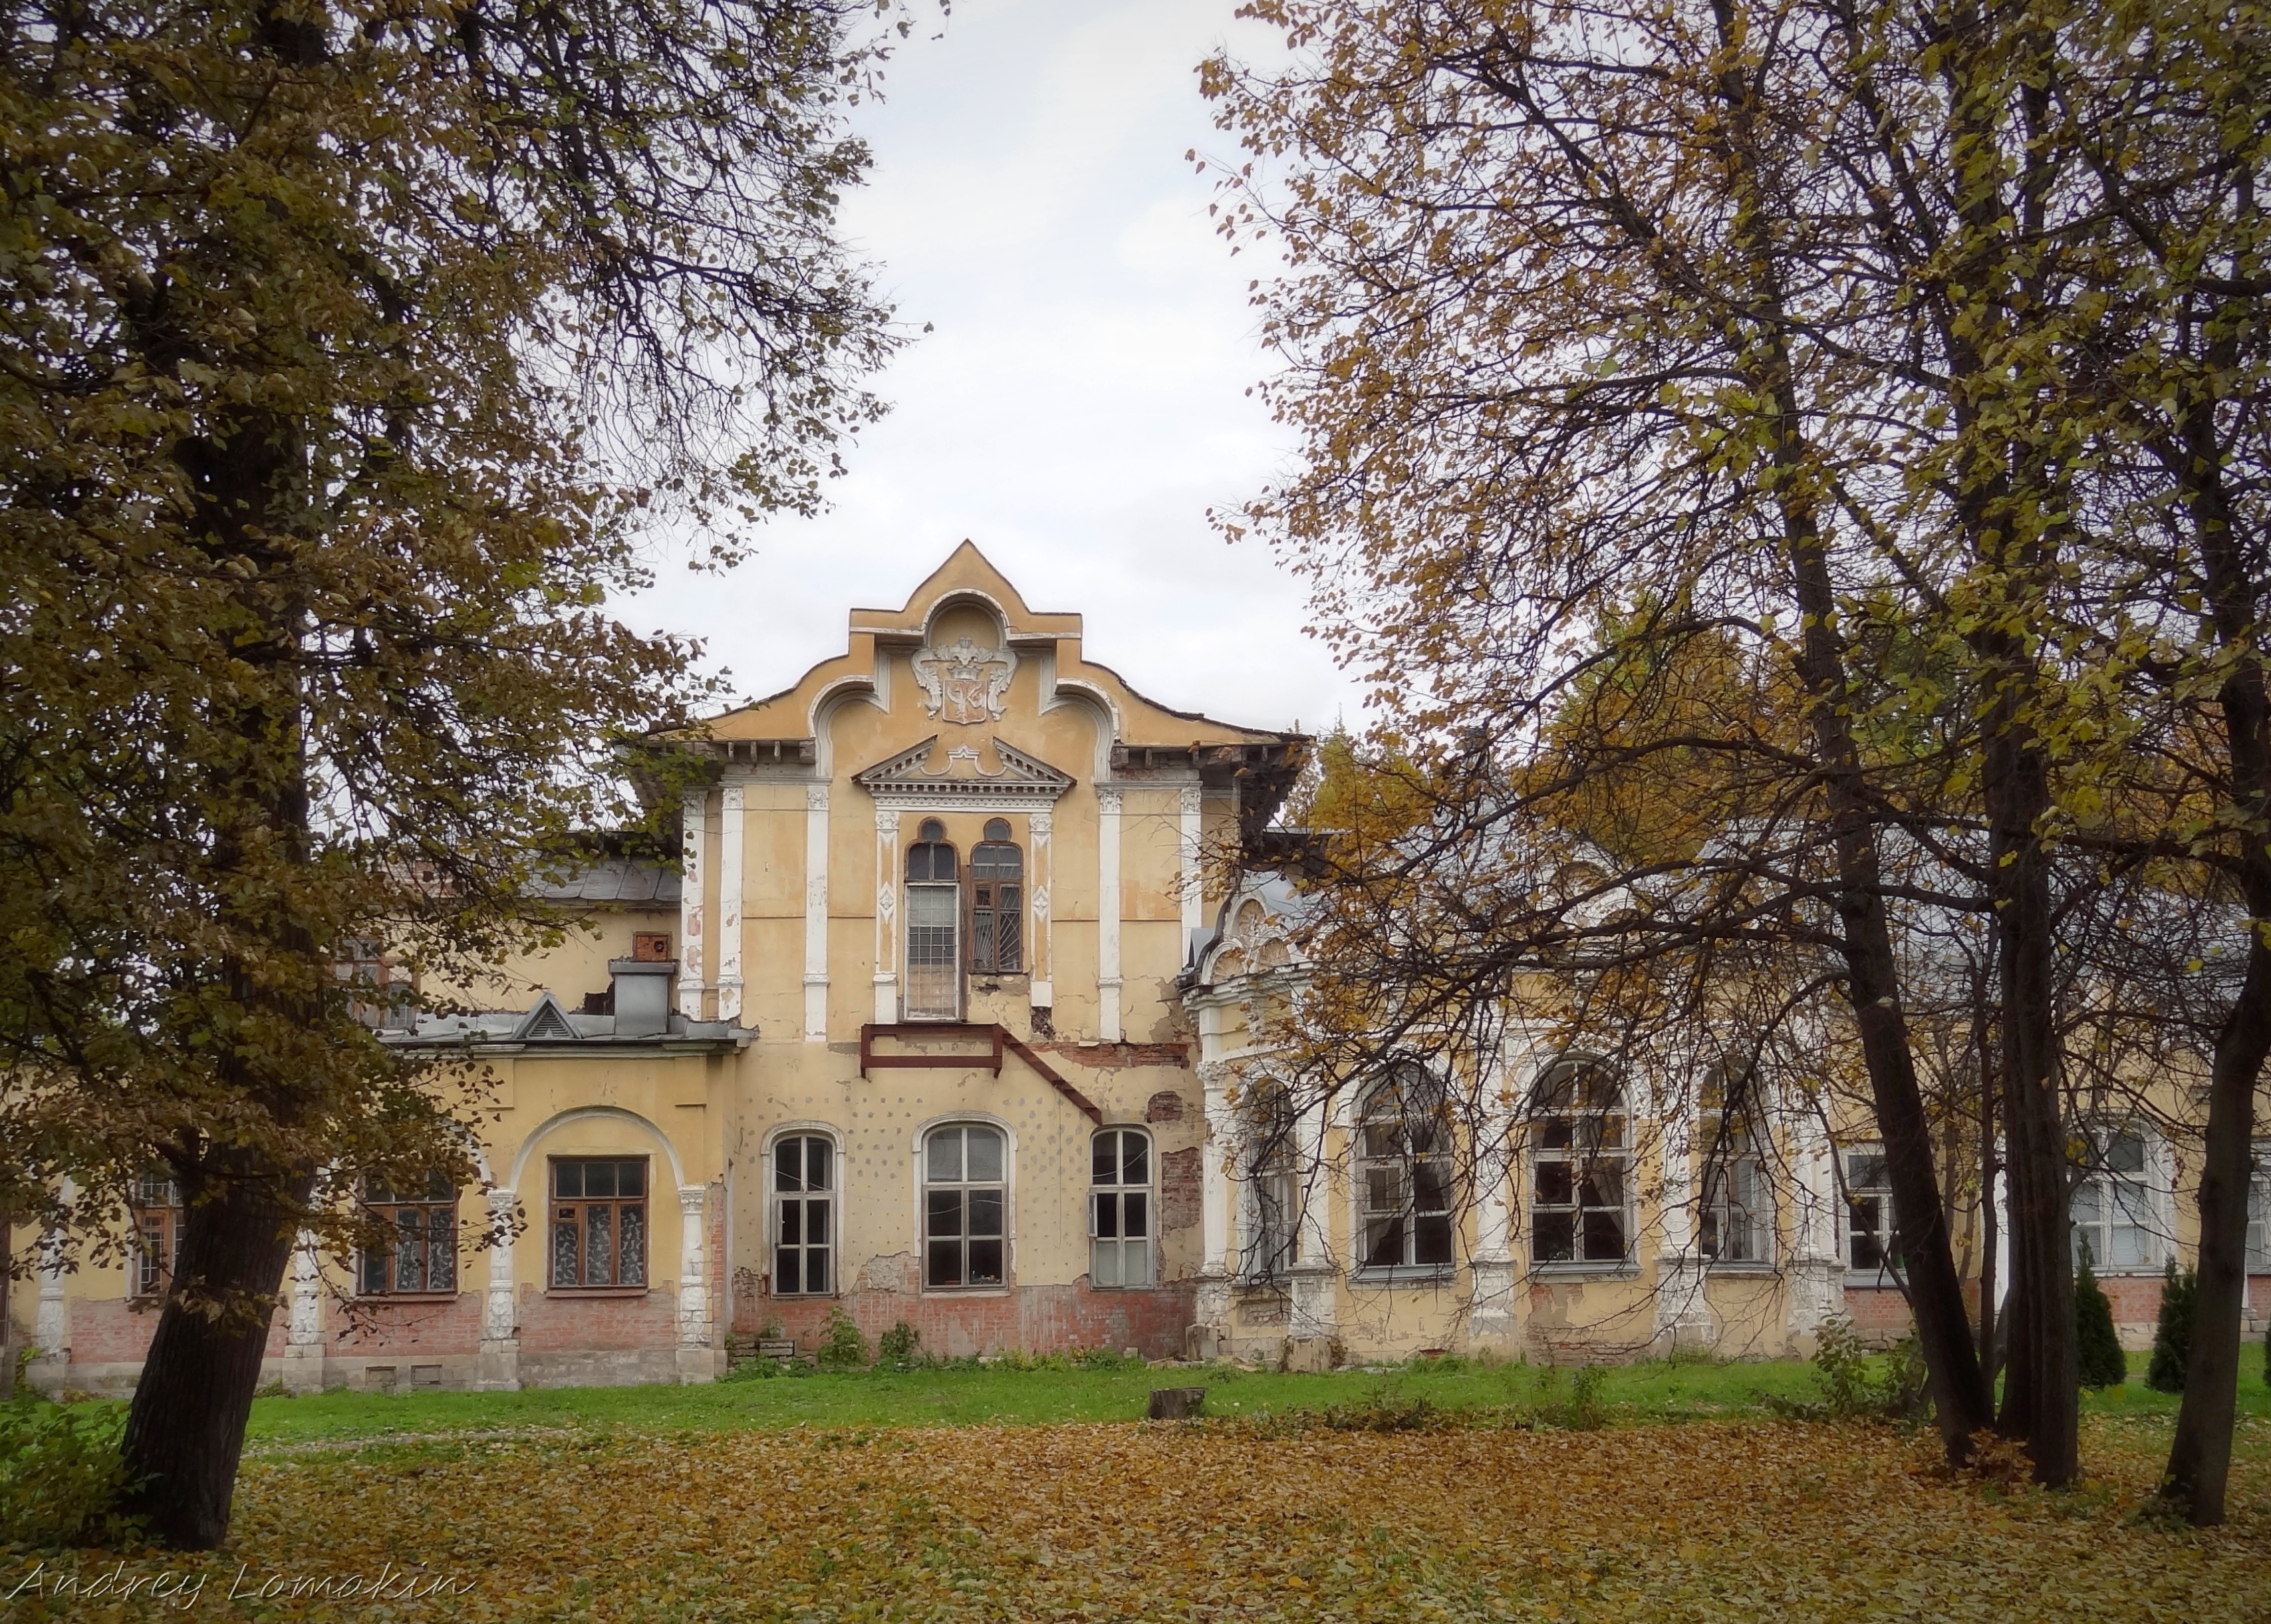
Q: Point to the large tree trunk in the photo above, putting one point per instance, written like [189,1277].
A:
[2200,1458]
[185,1431]
[1959,1392]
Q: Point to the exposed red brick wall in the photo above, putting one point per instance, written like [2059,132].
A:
[1037,1319]
[1182,1195]
[378,1326]
[1877,1311]
[2136,1298]
[569,1324]
[111,1331]
[1167,1106]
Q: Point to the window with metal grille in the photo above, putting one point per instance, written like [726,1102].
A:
[2113,1205]
[424,1257]
[965,1207]
[1404,1171]
[804,1186]
[1872,1244]
[157,1221]
[934,912]
[1120,1208]
[997,892]
[1581,1152]
[599,1222]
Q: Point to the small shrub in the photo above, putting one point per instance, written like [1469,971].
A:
[1583,1410]
[2172,1335]
[756,1367]
[1695,1353]
[1382,1411]
[1106,1358]
[1852,1390]
[842,1347]
[900,1348]
[2103,1362]
[61,1476]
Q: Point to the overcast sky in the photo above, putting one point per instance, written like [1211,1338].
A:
[1081,398]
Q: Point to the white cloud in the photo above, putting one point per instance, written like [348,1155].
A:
[1081,398]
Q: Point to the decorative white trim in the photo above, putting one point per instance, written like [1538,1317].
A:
[51,1327]
[903,782]
[1189,833]
[582,1113]
[963,683]
[816,912]
[1108,804]
[500,1317]
[305,1327]
[693,832]
[731,845]
[693,1286]
[887,907]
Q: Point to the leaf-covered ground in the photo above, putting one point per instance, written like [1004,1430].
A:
[1707,1521]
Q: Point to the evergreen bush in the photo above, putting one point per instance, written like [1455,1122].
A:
[2172,1335]
[2103,1362]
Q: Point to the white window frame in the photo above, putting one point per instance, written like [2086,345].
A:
[2258,1209]
[1269,1177]
[778,1200]
[1400,1153]
[965,1185]
[1725,1167]
[931,892]
[1543,1124]
[2104,1195]
[1884,1231]
[1118,1204]
[149,1275]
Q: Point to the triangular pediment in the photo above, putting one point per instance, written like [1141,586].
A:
[1019,777]
[546,1023]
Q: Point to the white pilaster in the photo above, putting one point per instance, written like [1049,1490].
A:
[1107,913]
[1314,1278]
[51,1327]
[1492,1313]
[1815,1275]
[304,1334]
[1681,1314]
[500,1357]
[1189,835]
[887,915]
[693,1286]
[694,834]
[1040,965]
[732,843]
[1213,1307]
[815,913]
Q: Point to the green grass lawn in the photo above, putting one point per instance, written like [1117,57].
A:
[965,1394]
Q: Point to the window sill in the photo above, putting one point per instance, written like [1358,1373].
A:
[1585,1272]
[379,1300]
[1872,1282]
[596,1291]
[1763,1269]
[1405,1274]
[965,1291]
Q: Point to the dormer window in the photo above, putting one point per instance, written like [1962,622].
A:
[934,927]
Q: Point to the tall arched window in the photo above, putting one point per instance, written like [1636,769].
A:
[1737,1205]
[933,922]
[1269,1225]
[997,903]
[1581,1151]
[1120,1208]
[966,1206]
[804,1207]
[1404,1171]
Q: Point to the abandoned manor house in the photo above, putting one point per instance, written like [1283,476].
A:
[943,1016]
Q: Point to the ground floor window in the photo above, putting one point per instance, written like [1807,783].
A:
[598,1221]
[157,1222]
[1120,1208]
[804,1186]
[1738,1224]
[2113,1204]
[965,1207]
[424,1257]
[1872,1244]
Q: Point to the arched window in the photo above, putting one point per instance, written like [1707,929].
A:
[157,1222]
[965,1207]
[933,922]
[1404,1171]
[997,893]
[804,1206]
[1269,1226]
[1738,1210]
[1581,1152]
[1120,1208]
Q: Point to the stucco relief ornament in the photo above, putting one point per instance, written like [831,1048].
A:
[964,683]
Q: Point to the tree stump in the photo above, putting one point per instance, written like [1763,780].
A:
[1178,1403]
